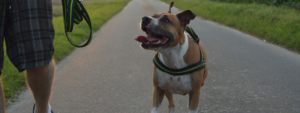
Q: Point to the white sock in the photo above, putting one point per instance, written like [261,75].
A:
[49,109]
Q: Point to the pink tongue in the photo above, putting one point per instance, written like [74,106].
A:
[142,39]
[152,39]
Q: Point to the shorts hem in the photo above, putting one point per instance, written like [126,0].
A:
[23,67]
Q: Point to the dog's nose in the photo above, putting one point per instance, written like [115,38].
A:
[146,20]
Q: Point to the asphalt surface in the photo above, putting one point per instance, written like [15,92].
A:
[113,74]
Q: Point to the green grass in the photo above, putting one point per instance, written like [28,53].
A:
[279,2]
[279,25]
[99,12]
[290,3]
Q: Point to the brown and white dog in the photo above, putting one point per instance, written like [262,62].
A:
[176,49]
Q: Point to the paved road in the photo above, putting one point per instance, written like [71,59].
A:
[113,74]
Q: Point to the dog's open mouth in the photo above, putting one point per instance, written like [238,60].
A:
[152,40]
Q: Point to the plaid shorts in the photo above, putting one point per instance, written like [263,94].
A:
[27,28]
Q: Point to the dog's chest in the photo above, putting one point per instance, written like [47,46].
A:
[174,56]
[176,84]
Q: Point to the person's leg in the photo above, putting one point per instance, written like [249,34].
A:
[40,82]
[2,108]
[29,46]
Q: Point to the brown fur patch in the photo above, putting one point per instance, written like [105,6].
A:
[193,56]
[175,27]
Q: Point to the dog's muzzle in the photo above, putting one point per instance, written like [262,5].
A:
[145,21]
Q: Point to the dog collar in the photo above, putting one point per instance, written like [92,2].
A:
[74,12]
[189,69]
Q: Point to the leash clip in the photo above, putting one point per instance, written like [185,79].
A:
[80,1]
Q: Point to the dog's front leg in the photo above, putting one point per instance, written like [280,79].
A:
[194,97]
[171,106]
[157,97]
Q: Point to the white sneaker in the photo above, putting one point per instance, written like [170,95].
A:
[49,109]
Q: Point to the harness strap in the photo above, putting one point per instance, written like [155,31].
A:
[193,34]
[186,70]
[74,12]
[177,72]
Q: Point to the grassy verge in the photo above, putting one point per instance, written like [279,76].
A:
[99,11]
[290,3]
[269,2]
[279,25]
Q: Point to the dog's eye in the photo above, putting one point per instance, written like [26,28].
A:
[165,20]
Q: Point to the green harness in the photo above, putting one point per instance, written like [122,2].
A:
[186,70]
[74,12]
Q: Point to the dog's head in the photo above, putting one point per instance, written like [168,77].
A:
[164,29]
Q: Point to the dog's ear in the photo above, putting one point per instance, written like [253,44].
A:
[171,5]
[185,17]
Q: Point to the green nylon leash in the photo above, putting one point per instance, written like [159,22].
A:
[74,12]
[186,70]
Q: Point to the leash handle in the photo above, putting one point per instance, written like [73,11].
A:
[74,12]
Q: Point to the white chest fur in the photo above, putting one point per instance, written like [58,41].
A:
[173,58]
[175,84]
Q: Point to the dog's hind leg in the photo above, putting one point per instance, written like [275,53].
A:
[157,97]
[171,105]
